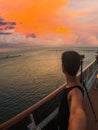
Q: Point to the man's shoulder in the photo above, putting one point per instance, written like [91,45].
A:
[76,89]
[76,92]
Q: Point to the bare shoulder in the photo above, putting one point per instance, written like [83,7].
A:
[75,98]
[76,92]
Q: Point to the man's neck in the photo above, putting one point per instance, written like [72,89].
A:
[72,81]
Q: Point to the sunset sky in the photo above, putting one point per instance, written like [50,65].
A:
[48,22]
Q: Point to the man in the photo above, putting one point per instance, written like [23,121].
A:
[71,112]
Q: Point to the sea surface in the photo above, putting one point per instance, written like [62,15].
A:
[28,75]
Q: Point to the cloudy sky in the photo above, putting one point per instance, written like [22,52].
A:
[48,22]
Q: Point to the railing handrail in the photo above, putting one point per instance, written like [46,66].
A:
[89,65]
[29,110]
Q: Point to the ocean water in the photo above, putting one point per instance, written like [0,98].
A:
[26,79]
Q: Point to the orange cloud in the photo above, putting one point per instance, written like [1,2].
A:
[38,16]
[93,40]
[69,22]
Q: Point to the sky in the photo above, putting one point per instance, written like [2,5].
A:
[48,23]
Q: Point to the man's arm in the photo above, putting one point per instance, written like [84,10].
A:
[77,119]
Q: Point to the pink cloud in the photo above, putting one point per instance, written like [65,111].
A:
[76,24]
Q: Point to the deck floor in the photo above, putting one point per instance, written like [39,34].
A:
[91,123]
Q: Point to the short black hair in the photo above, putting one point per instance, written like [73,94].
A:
[71,62]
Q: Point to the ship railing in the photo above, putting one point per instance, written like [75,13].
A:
[38,116]
[89,74]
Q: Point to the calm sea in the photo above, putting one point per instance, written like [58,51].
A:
[26,79]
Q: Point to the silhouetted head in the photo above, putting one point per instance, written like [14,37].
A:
[70,62]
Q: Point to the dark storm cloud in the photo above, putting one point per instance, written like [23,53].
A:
[1,19]
[7,23]
[3,23]
[9,27]
[12,23]
[6,26]
[31,35]
[5,33]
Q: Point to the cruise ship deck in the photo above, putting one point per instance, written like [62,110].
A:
[93,93]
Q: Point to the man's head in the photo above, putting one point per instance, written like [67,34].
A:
[70,62]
